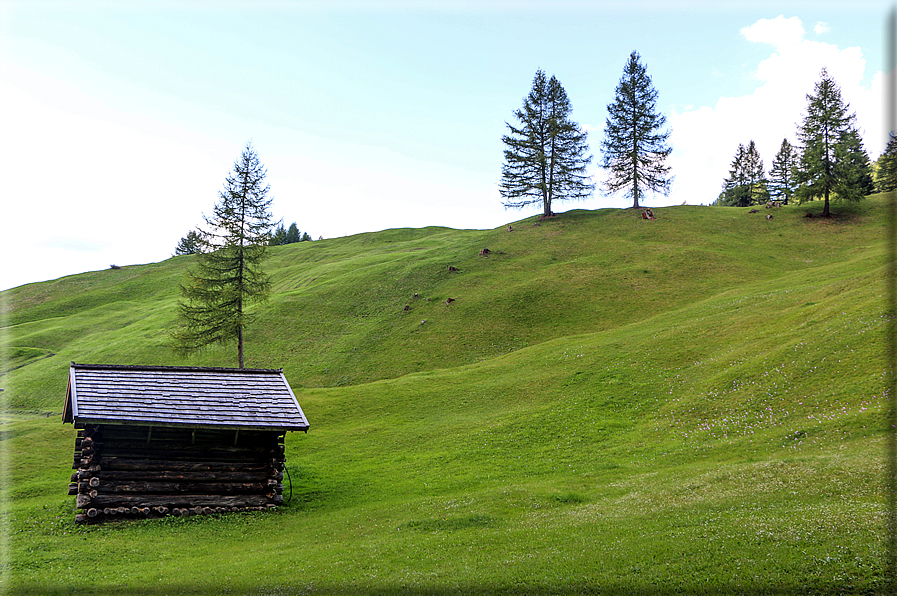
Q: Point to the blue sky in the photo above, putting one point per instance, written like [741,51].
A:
[122,119]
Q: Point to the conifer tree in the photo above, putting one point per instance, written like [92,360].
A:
[886,174]
[781,175]
[292,234]
[189,244]
[278,236]
[228,274]
[735,187]
[859,166]
[746,184]
[545,158]
[635,148]
[754,173]
[831,163]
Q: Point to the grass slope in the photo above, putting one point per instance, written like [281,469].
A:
[689,405]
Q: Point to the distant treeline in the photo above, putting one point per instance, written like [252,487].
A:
[192,243]
[288,235]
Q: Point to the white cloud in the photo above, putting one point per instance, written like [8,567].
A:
[821,28]
[779,31]
[705,139]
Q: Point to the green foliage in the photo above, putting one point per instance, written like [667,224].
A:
[545,159]
[278,236]
[858,168]
[746,184]
[781,174]
[833,162]
[228,275]
[634,146]
[189,244]
[283,235]
[886,174]
[292,234]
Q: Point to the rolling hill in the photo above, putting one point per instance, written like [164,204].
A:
[607,405]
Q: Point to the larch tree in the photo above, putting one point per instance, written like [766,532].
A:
[635,146]
[781,173]
[228,275]
[546,154]
[830,163]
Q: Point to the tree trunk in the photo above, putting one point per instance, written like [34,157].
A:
[240,344]
[825,212]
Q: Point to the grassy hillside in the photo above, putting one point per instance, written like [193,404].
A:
[687,405]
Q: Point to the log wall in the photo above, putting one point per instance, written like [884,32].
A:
[142,471]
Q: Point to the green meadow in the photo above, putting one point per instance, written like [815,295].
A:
[609,405]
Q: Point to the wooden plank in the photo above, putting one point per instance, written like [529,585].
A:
[107,446]
[123,463]
[182,455]
[253,475]
[138,486]
[172,501]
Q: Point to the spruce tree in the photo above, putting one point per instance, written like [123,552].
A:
[859,167]
[189,244]
[830,163]
[278,236]
[292,234]
[886,174]
[545,158]
[736,188]
[635,148]
[228,274]
[781,173]
[756,179]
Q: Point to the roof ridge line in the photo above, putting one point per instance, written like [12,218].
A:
[173,368]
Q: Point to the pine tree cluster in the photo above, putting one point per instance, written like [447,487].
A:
[289,235]
[830,161]
[546,154]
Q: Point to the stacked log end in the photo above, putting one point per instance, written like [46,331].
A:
[134,472]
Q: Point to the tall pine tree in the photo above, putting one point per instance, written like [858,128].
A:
[228,274]
[545,158]
[831,163]
[735,187]
[635,148]
[781,173]
[754,173]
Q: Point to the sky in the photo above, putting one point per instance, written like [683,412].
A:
[121,120]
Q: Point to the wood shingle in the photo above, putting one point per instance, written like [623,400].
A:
[176,395]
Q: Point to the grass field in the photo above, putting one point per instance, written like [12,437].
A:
[610,405]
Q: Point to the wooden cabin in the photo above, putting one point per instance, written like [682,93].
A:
[175,440]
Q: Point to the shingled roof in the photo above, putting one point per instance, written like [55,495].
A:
[180,395]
